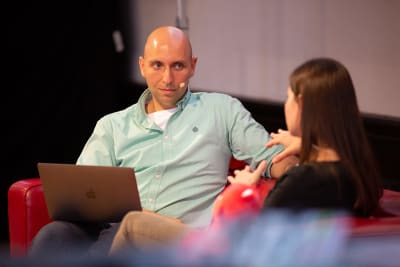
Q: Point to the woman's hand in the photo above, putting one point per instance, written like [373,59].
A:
[291,143]
[246,176]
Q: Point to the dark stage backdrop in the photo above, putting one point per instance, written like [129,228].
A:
[62,74]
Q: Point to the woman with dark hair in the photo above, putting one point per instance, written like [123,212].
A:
[336,169]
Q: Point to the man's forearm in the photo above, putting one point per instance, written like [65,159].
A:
[279,168]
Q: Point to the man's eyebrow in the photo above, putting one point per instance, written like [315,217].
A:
[178,62]
[152,61]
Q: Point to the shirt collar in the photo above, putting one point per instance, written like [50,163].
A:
[185,100]
[146,96]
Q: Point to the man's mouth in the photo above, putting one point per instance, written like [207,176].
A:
[168,90]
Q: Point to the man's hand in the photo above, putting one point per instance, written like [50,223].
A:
[246,176]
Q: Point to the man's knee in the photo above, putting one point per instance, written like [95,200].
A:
[145,228]
[60,230]
[58,236]
[132,219]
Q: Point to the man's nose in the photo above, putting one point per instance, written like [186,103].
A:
[167,76]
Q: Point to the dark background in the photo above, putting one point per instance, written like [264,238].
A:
[63,73]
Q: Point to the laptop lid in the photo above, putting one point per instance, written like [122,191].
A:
[88,193]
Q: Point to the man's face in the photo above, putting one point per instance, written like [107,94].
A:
[167,67]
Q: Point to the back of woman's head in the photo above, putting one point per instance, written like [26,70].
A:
[331,118]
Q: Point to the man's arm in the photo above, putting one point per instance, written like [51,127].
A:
[249,177]
[279,168]
[99,148]
[287,158]
[291,143]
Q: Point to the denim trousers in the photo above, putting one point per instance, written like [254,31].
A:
[75,239]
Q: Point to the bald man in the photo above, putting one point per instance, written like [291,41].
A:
[179,142]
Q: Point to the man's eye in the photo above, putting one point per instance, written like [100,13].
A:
[156,65]
[178,66]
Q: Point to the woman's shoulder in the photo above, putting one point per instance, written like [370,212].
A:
[315,173]
[313,185]
[327,168]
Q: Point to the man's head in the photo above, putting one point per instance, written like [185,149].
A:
[167,65]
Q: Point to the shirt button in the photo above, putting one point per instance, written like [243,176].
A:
[157,176]
[165,137]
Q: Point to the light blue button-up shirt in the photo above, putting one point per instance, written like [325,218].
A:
[180,170]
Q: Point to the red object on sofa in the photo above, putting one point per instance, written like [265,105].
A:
[27,211]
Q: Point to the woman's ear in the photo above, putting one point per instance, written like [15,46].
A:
[299,110]
[300,102]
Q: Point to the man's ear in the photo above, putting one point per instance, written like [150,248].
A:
[141,66]
[193,65]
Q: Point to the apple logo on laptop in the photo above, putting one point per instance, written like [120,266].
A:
[91,194]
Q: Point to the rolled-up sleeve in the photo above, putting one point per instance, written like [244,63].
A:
[248,138]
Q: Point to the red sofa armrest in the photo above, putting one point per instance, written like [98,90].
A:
[27,213]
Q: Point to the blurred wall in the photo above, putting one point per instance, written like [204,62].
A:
[248,48]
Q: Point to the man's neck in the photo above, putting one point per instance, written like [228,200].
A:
[151,107]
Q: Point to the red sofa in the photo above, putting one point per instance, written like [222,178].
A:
[27,213]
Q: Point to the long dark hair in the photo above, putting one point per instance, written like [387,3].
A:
[331,118]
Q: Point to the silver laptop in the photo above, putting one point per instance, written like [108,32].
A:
[88,193]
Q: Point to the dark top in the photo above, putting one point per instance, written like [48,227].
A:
[318,185]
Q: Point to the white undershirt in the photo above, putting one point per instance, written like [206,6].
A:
[161,117]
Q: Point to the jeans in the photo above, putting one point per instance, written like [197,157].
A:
[75,239]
